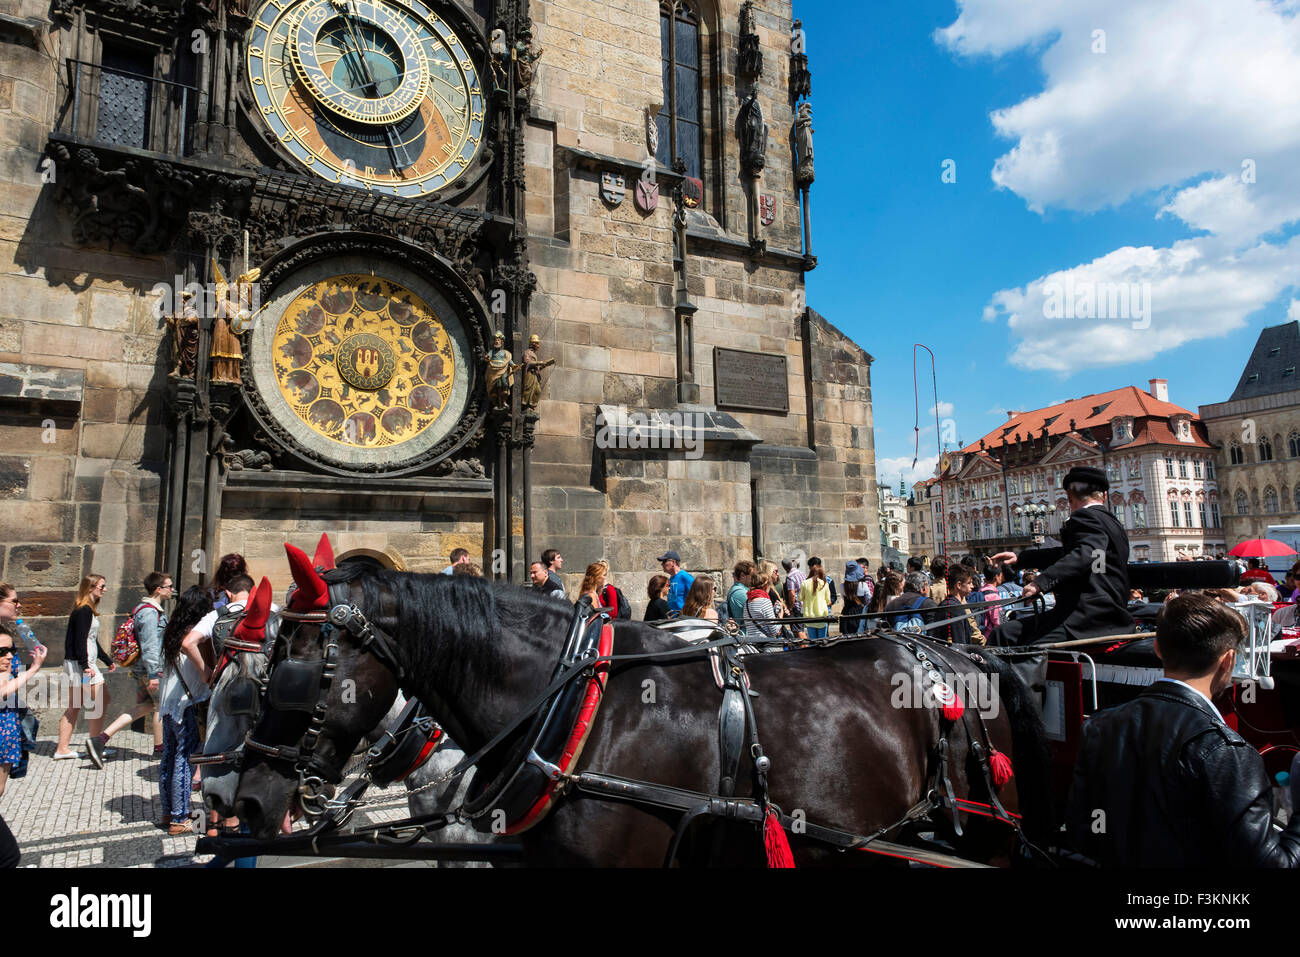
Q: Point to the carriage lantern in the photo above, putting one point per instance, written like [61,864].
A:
[1253,652]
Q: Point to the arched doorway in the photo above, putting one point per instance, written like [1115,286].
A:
[371,558]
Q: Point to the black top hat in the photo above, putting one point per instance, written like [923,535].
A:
[1088,474]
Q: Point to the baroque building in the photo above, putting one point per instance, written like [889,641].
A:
[1004,491]
[893,520]
[920,519]
[1256,433]
[257,255]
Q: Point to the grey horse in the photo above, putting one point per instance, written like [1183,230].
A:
[233,709]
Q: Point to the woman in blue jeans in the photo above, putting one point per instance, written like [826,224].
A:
[183,687]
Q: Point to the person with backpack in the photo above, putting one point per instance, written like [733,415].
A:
[963,631]
[914,608]
[612,597]
[184,687]
[857,593]
[991,590]
[144,628]
[890,587]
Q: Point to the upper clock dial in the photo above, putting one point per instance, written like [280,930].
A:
[379,95]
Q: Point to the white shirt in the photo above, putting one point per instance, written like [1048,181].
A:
[204,627]
[1204,696]
[174,700]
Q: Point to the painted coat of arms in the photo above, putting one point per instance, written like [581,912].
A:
[767,209]
[613,187]
[646,196]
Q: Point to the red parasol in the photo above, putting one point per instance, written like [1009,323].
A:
[1261,548]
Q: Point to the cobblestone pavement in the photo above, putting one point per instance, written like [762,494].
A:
[70,814]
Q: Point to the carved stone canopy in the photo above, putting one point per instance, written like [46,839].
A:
[118,196]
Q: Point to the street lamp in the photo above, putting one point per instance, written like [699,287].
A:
[1036,514]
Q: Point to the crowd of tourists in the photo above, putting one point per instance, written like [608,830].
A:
[164,643]
[791,602]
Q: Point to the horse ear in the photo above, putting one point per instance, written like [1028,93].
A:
[311,591]
[324,553]
[253,625]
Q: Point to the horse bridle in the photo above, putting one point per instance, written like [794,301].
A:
[314,776]
[230,647]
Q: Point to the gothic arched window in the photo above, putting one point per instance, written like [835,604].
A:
[682,57]
[1293,445]
[1270,499]
[1265,449]
[1235,455]
[1243,504]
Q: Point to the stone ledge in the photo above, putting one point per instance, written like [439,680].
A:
[32,383]
[25,31]
[309,482]
[663,429]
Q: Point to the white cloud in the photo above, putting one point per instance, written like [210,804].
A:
[888,470]
[945,410]
[1293,310]
[1191,296]
[1195,108]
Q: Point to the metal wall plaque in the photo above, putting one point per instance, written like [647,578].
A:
[750,380]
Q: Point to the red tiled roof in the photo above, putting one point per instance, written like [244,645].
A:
[1151,419]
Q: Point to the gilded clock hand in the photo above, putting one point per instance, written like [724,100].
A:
[346,16]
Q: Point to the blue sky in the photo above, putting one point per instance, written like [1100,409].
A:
[1163,151]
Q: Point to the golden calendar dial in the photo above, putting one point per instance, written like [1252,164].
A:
[363,362]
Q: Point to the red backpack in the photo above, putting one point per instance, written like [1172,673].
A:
[125,648]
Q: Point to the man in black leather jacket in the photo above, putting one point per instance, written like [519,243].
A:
[1162,781]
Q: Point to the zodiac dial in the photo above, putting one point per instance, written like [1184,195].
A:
[363,361]
[377,94]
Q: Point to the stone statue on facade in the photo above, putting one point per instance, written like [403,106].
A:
[525,58]
[753,136]
[652,129]
[500,373]
[803,143]
[533,365]
[499,49]
[185,338]
[233,313]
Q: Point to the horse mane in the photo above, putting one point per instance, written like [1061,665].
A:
[451,625]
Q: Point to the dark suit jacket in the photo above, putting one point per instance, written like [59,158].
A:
[1087,602]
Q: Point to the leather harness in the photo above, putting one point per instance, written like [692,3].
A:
[559,720]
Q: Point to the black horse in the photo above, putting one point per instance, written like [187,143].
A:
[844,751]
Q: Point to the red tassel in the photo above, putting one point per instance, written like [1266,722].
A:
[775,842]
[1000,765]
[954,708]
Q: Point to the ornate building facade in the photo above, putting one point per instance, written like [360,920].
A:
[894,520]
[1256,433]
[1004,491]
[257,255]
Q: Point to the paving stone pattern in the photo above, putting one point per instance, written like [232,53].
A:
[70,814]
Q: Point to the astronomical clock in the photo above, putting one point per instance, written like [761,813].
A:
[364,360]
[377,94]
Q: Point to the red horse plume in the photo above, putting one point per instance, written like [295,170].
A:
[311,592]
[252,627]
[324,558]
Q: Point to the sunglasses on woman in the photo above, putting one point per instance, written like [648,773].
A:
[6,650]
